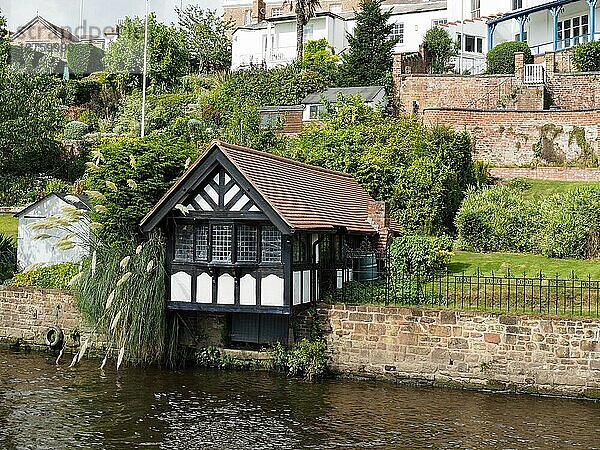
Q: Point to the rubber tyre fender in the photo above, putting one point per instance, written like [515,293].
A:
[54,337]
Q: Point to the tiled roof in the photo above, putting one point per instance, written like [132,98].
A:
[304,196]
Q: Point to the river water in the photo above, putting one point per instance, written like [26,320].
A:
[43,406]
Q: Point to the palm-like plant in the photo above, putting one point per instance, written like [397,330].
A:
[305,10]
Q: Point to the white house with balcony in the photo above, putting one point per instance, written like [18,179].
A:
[272,42]
[480,25]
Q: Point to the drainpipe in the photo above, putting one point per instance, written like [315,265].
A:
[491,29]
[592,31]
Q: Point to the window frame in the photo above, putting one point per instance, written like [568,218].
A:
[475,9]
[197,257]
[398,30]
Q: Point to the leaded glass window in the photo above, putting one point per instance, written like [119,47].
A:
[202,243]
[184,243]
[247,242]
[271,244]
[221,242]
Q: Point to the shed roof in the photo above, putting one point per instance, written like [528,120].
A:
[367,93]
[303,196]
[78,201]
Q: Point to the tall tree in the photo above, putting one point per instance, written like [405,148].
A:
[206,38]
[168,57]
[439,48]
[305,10]
[369,58]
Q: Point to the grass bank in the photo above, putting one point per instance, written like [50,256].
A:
[8,225]
[545,188]
[520,263]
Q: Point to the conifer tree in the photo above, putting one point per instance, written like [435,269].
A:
[369,58]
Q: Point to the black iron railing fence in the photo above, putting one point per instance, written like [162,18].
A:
[370,280]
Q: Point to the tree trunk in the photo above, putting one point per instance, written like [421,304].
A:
[299,35]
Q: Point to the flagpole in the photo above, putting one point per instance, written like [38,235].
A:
[145,71]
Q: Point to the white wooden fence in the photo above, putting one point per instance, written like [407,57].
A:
[534,74]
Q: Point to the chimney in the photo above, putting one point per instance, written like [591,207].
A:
[379,217]
[259,10]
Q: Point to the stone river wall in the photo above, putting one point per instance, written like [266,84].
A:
[26,313]
[465,348]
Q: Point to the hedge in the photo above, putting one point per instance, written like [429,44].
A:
[52,277]
[501,218]
[501,59]
[84,58]
[586,57]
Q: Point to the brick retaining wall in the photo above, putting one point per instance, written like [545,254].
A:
[26,313]
[509,136]
[527,354]
[546,173]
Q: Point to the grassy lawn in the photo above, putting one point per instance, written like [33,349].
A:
[8,225]
[518,263]
[545,188]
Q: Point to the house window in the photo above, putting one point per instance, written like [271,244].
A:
[517,4]
[472,44]
[518,36]
[316,111]
[277,12]
[300,248]
[184,243]
[271,245]
[573,31]
[202,243]
[398,32]
[272,121]
[475,9]
[308,33]
[438,22]
[247,242]
[221,242]
[248,17]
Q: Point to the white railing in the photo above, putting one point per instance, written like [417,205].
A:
[534,74]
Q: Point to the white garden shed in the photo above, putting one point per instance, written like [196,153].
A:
[43,251]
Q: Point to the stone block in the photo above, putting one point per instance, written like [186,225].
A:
[447,317]
[508,320]
[438,330]
[492,338]
[455,343]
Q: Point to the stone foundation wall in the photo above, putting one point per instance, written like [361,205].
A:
[523,137]
[477,349]
[546,173]
[26,313]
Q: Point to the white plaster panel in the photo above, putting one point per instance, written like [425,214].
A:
[204,288]
[225,290]
[247,290]
[181,287]
[271,290]
[306,286]
[297,283]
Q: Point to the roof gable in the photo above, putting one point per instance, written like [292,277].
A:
[295,195]
[78,201]
[55,29]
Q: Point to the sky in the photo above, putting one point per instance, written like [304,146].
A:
[96,13]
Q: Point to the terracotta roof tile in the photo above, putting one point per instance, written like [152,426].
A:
[305,196]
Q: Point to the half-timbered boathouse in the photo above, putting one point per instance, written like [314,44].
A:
[254,236]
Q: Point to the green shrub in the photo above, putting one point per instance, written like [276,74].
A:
[213,358]
[308,359]
[79,92]
[419,254]
[18,191]
[84,58]
[52,277]
[153,164]
[8,257]
[570,226]
[57,186]
[90,118]
[519,184]
[75,130]
[501,59]
[586,57]
[497,219]
[439,48]
[481,173]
